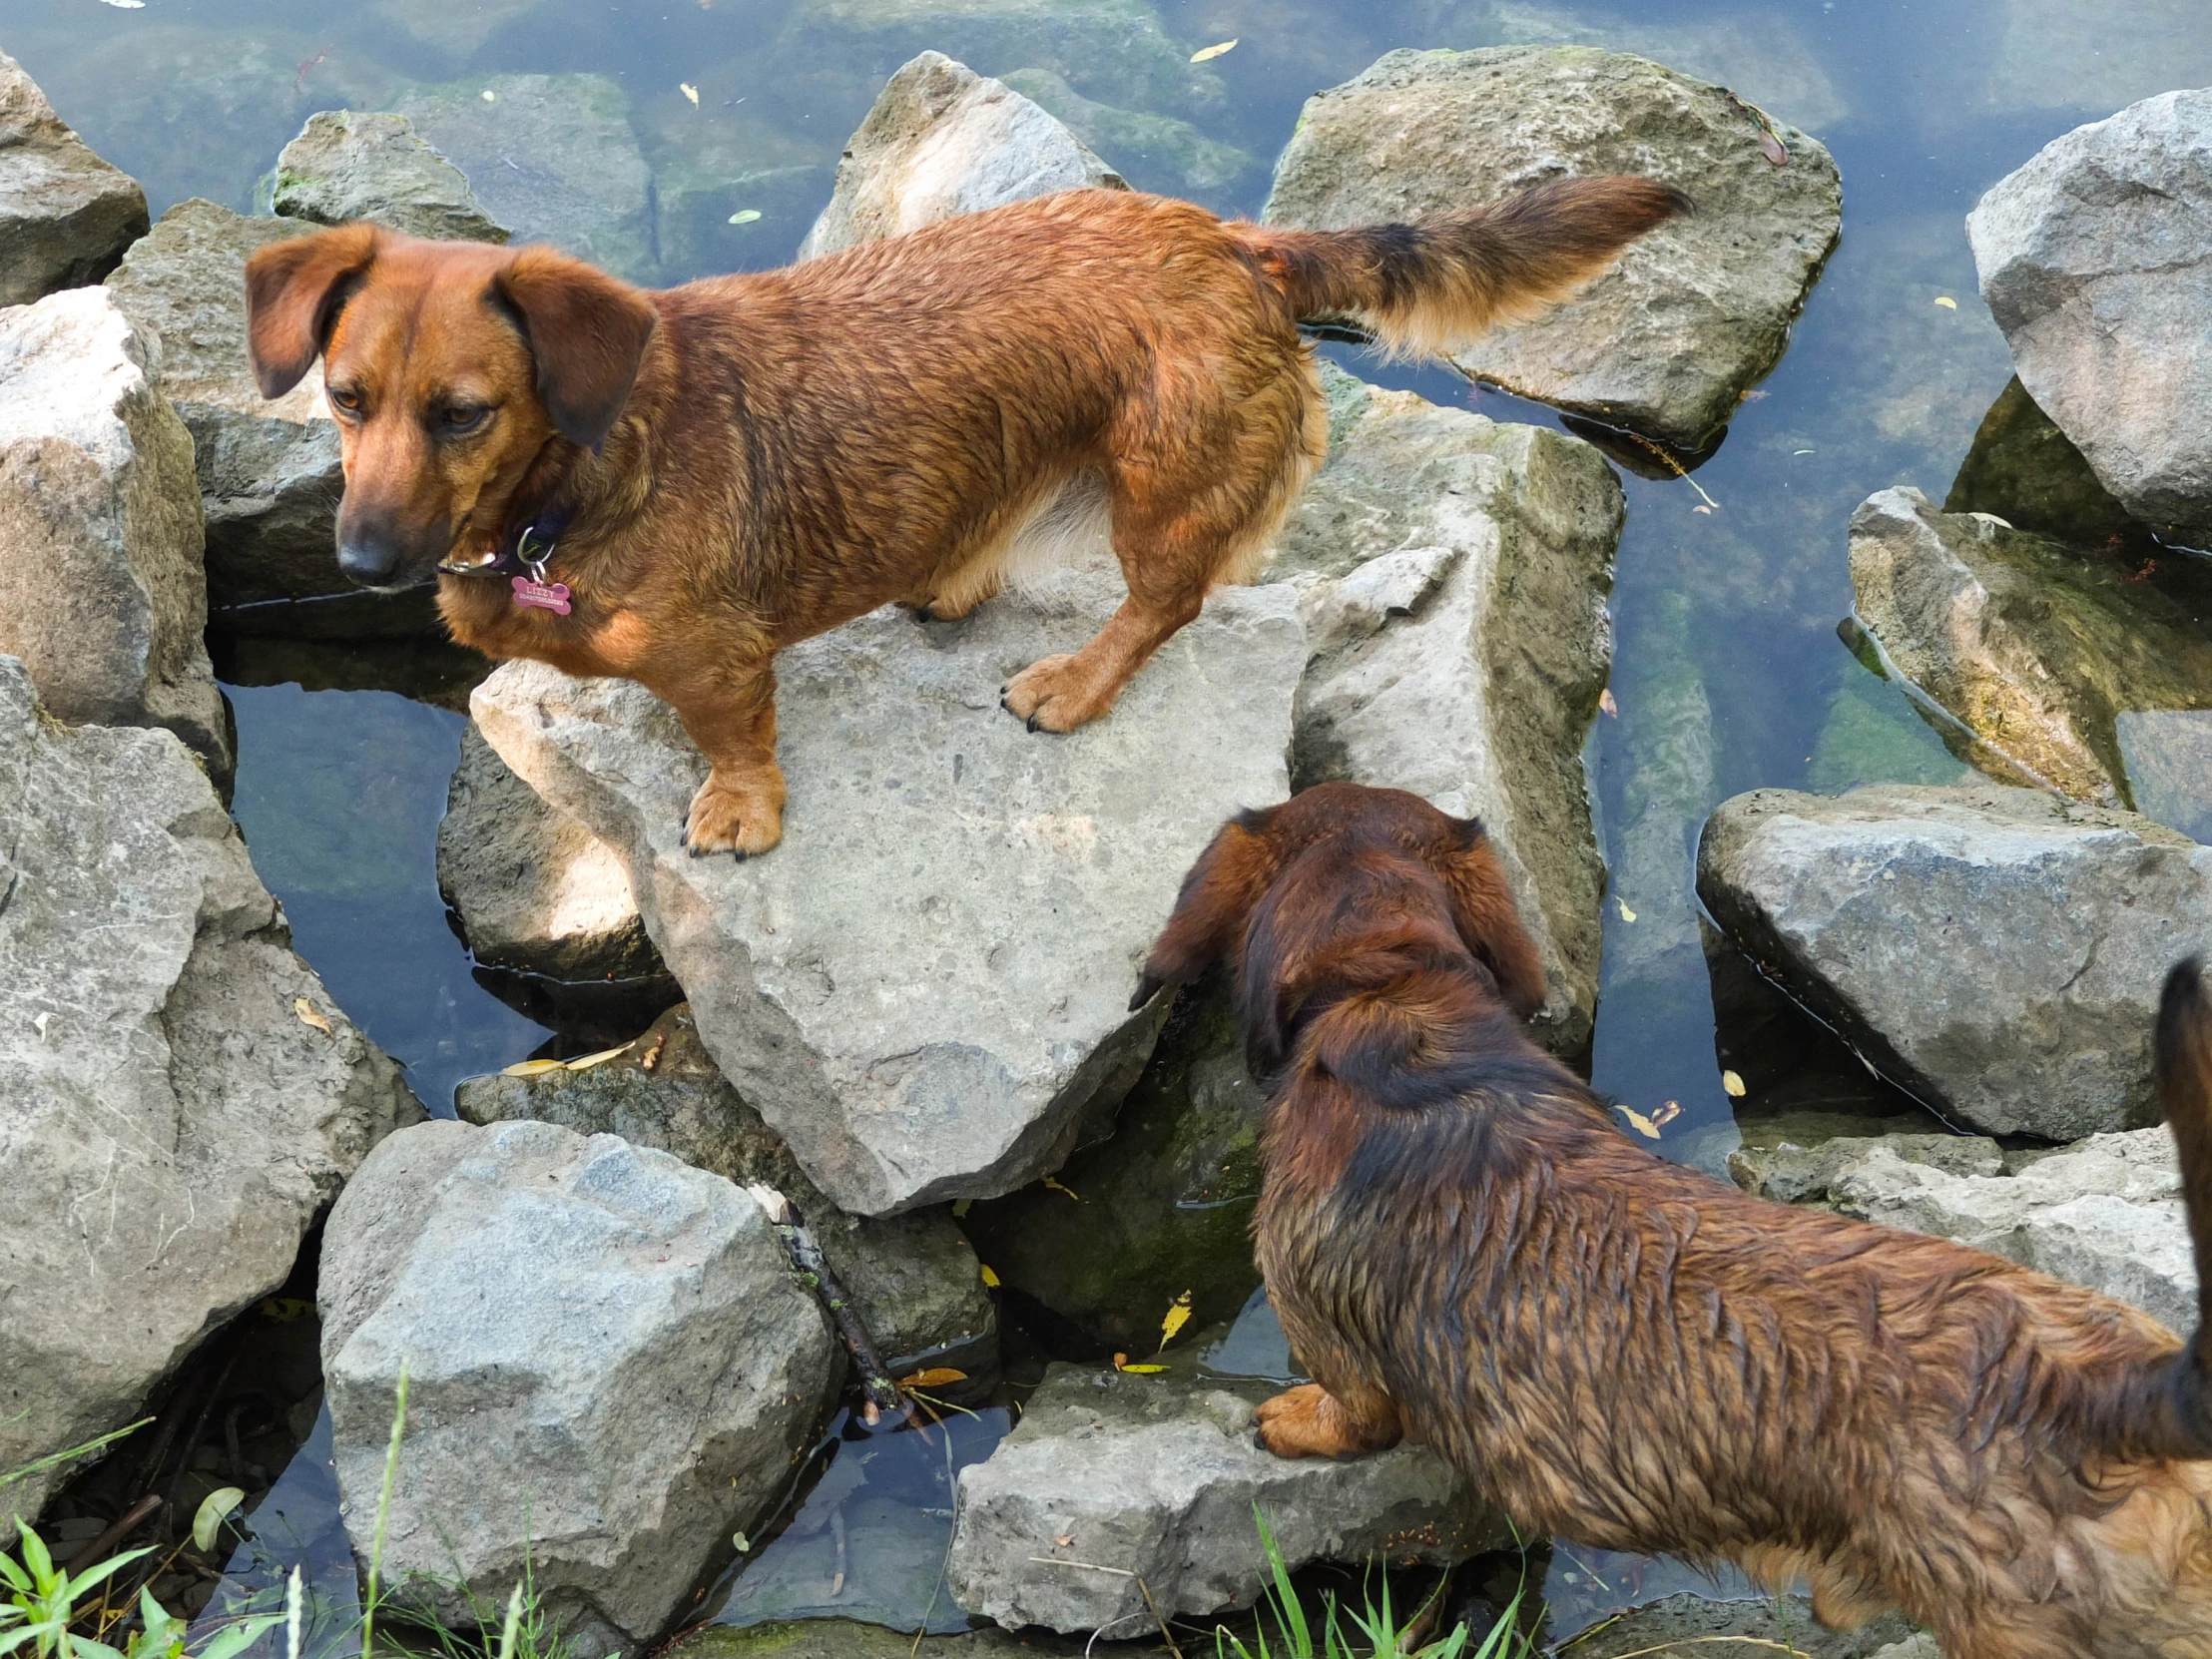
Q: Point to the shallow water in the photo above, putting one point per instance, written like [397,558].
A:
[1728,670]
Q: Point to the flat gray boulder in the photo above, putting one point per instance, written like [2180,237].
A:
[268,473]
[2034,649]
[66,216]
[1453,573]
[2096,261]
[942,140]
[351,164]
[923,989]
[914,1277]
[610,1367]
[1667,341]
[1995,951]
[1115,1477]
[183,1098]
[102,592]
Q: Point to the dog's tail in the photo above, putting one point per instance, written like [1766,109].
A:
[1429,288]
[2182,1069]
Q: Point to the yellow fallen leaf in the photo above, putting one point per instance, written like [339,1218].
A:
[1946,302]
[284,1308]
[1622,905]
[934,1377]
[584,1062]
[1638,1122]
[307,1015]
[489,95]
[745,216]
[689,91]
[1207,53]
[744,1543]
[1142,1371]
[1606,704]
[1056,1187]
[990,1278]
[1733,1084]
[960,1207]
[1179,1315]
[530,1068]
[1701,509]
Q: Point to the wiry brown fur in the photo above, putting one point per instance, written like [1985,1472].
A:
[1463,1249]
[780,452]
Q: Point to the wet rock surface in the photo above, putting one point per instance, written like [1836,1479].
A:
[170,1067]
[1156,1476]
[102,594]
[2034,648]
[1687,1624]
[610,1365]
[351,164]
[882,986]
[913,1277]
[1454,573]
[1666,342]
[843,1639]
[2024,470]
[66,216]
[942,140]
[1994,951]
[2096,261]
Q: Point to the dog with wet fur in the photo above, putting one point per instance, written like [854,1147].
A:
[1464,1250]
[672,486]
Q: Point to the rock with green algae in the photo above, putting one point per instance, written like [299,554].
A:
[353,163]
[845,1639]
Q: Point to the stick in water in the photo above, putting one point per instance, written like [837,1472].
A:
[879,1392]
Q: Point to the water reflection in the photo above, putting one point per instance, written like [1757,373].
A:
[297,1525]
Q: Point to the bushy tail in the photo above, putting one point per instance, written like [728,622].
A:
[1429,288]
[2182,1069]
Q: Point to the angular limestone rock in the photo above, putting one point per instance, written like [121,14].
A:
[1155,1476]
[1667,341]
[1994,951]
[942,140]
[2024,470]
[66,216]
[102,593]
[349,164]
[611,1367]
[923,989]
[1454,574]
[183,1100]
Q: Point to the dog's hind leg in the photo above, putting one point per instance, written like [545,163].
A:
[1311,1422]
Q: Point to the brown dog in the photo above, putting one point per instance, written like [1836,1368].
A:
[1463,1249]
[737,464]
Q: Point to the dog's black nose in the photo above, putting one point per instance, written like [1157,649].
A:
[370,560]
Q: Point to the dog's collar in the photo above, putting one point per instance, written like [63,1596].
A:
[525,550]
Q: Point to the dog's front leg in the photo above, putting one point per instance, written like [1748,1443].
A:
[731,717]
[1313,1422]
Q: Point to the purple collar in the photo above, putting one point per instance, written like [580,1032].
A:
[525,550]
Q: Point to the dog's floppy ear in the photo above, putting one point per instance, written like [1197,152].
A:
[1483,913]
[294,290]
[1216,898]
[588,333]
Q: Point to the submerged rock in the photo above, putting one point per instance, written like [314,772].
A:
[1454,573]
[923,989]
[1994,951]
[1667,341]
[913,1277]
[2024,470]
[1155,1477]
[349,164]
[711,165]
[942,140]
[102,593]
[611,1367]
[551,156]
[183,1098]
[66,216]
[2034,648]
[2096,261]
[1164,152]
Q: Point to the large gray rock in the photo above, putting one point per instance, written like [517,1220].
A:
[942,140]
[1995,951]
[1688,1624]
[610,1366]
[914,1277]
[2096,261]
[1454,574]
[269,471]
[183,1099]
[1666,342]
[349,164]
[924,988]
[535,892]
[2032,648]
[102,593]
[1155,1477]
[551,156]
[66,216]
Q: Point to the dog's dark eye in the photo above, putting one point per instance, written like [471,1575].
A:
[461,419]
[345,399]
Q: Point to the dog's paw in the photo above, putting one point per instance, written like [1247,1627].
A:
[725,820]
[1304,1422]
[1055,694]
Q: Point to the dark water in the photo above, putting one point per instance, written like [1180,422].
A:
[1728,672]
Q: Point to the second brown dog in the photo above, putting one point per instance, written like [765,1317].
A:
[1464,1250]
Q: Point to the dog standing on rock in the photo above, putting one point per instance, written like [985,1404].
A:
[1465,1249]
[671,486]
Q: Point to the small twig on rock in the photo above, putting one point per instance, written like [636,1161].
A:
[879,1392]
[119,1528]
[1143,1589]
